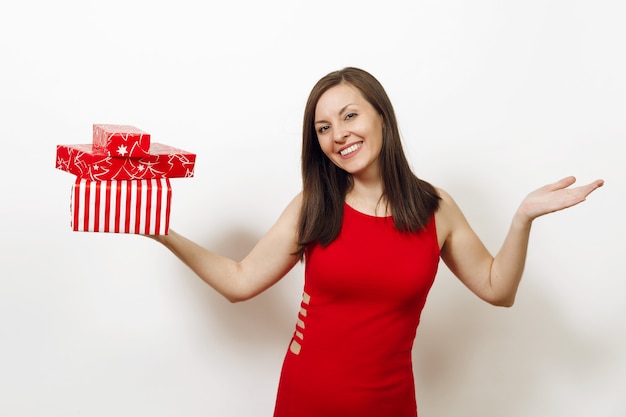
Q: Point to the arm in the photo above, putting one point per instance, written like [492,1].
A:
[270,259]
[495,279]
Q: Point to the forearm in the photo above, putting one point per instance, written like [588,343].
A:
[496,279]
[219,272]
[508,264]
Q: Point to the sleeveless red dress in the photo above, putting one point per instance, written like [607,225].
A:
[350,355]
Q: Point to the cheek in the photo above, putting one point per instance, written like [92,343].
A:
[326,145]
[379,135]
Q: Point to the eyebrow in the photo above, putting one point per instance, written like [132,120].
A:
[339,112]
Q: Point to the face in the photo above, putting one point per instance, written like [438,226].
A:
[349,130]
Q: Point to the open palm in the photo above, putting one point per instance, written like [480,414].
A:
[556,196]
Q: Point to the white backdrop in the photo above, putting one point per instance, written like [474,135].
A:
[494,99]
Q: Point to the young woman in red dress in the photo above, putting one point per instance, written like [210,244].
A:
[370,234]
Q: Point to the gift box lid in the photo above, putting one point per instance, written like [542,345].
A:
[163,161]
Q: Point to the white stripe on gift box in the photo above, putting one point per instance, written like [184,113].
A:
[121,206]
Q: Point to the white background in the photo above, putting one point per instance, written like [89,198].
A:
[494,99]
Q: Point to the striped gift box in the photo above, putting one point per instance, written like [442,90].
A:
[121,206]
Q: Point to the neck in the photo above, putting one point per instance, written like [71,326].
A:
[367,197]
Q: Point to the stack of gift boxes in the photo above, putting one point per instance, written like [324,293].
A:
[122,180]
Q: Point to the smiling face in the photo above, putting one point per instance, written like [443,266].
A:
[349,130]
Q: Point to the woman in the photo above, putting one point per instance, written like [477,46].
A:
[371,235]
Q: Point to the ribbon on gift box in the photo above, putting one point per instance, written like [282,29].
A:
[121,206]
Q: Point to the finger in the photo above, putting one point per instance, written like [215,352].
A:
[562,183]
[597,183]
[589,188]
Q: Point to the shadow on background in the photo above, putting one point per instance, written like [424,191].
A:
[474,359]
[470,358]
[265,321]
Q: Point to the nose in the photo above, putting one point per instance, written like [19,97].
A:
[340,134]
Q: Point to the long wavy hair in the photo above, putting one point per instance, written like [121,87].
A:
[412,200]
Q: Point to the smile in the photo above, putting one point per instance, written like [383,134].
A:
[350,149]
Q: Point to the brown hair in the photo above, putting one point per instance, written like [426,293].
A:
[413,201]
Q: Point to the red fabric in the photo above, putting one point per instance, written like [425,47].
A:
[355,333]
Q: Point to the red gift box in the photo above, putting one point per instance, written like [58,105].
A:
[121,140]
[163,161]
[128,206]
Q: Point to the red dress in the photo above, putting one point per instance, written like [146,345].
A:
[350,355]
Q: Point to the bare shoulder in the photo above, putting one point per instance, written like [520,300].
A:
[447,217]
[291,214]
[295,205]
[447,205]
[281,240]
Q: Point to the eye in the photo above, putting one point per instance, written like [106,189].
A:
[322,129]
[350,116]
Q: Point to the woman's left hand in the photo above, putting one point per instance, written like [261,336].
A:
[555,197]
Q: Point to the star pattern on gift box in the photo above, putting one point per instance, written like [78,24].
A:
[62,164]
[121,161]
[86,161]
[122,150]
[121,140]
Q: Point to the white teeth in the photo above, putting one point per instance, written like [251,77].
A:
[350,149]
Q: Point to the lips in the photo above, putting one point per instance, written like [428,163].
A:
[350,149]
